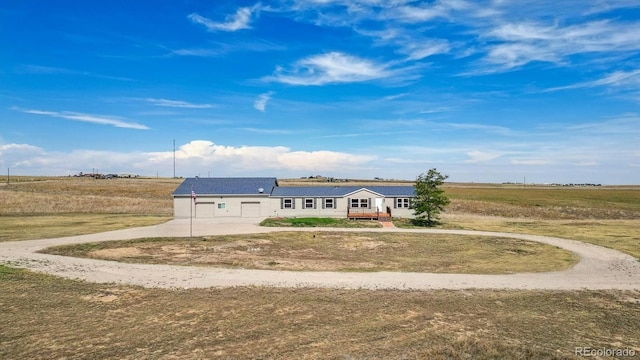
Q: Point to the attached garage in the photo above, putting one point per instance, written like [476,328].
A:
[250,209]
[223,198]
[204,210]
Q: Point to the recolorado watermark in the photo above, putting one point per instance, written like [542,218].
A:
[604,352]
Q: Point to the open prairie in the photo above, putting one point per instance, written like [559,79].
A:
[49,317]
[39,207]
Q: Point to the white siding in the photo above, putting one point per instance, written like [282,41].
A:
[208,206]
[264,206]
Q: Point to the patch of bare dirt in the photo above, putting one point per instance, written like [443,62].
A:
[113,294]
[115,254]
[366,243]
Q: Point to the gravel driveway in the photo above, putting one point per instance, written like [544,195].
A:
[599,268]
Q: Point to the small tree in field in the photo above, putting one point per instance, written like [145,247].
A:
[430,199]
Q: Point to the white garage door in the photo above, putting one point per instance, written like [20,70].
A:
[250,209]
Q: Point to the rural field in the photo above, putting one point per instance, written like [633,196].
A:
[49,317]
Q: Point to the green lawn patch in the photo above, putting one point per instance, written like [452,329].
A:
[320,222]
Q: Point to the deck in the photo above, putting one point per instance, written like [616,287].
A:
[356,214]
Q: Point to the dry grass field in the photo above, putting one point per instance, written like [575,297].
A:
[50,318]
[45,317]
[337,251]
[34,208]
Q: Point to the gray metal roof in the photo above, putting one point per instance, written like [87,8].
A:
[269,185]
[226,186]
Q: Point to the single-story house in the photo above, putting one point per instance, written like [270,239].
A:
[262,197]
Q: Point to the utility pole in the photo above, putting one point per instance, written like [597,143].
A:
[8,176]
[191,200]
[174,158]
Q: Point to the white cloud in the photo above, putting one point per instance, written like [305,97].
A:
[48,70]
[192,157]
[531,162]
[408,42]
[94,119]
[616,78]
[238,21]
[501,130]
[261,102]
[197,52]
[331,68]
[512,55]
[260,158]
[268,131]
[515,44]
[586,163]
[12,155]
[178,104]
[425,48]
[481,156]
[423,13]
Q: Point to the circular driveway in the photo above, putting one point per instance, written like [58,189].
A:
[599,267]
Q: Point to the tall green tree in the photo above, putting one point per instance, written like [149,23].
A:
[430,199]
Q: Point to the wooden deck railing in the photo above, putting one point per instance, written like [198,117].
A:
[365,213]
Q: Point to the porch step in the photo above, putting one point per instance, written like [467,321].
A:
[387,224]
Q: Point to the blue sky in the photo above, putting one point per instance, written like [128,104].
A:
[484,91]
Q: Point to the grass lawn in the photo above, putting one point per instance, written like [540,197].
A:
[81,320]
[320,222]
[337,251]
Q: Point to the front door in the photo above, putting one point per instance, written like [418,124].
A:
[380,204]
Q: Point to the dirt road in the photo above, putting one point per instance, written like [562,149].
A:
[599,268]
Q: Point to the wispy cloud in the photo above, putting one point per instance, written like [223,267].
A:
[200,52]
[407,42]
[221,49]
[516,44]
[50,70]
[178,104]
[426,12]
[504,35]
[393,97]
[616,78]
[476,156]
[351,135]
[238,21]
[479,127]
[268,131]
[436,110]
[260,103]
[530,162]
[331,68]
[418,50]
[89,118]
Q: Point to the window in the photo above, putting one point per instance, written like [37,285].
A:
[361,203]
[364,203]
[287,203]
[402,202]
[222,205]
[329,204]
[309,203]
